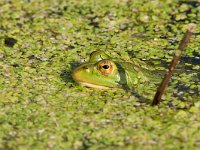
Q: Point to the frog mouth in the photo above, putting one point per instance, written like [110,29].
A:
[94,85]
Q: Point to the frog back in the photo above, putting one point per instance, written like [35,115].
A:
[132,75]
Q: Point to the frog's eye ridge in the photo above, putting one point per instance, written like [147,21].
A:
[105,67]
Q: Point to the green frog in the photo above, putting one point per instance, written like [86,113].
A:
[103,72]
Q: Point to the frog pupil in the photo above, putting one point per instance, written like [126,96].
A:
[105,66]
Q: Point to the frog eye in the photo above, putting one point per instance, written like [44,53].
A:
[105,67]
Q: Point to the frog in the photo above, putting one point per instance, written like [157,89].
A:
[104,72]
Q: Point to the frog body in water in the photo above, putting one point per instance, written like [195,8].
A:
[102,71]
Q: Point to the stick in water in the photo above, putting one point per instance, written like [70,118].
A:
[173,64]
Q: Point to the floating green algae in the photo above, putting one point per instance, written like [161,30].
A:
[42,108]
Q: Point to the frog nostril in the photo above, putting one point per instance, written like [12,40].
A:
[86,68]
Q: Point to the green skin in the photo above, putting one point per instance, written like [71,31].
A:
[124,75]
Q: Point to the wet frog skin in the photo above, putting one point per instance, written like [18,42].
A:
[101,71]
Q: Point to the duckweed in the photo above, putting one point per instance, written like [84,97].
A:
[42,108]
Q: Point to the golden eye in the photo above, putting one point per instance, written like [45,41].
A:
[105,67]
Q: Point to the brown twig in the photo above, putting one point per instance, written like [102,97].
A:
[173,64]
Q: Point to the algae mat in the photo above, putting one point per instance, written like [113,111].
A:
[42,41]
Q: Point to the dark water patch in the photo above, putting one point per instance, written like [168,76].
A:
[2,28]
[38,58]
[19,25]
[190,64]
[66,74]
[186,63]
[53,11]
[173,41]
[183,90]
[194,4]
[10,42]
[16,65]
[195,60]
[31,57]
[94,24]
[70,47]
[131,54]
[169,26]
[188,13]
[65,7]
[140,98]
